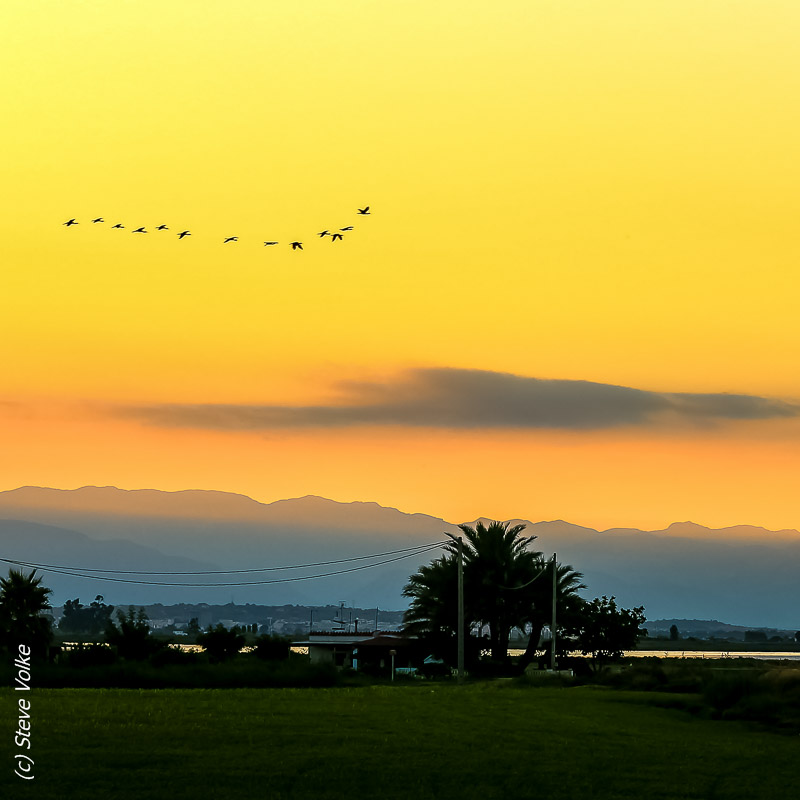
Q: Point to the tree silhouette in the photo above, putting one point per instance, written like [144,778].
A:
[505,586]
[220,643]
[538,605]
[22,601]
[606,630]
[272,648]
[90,621]
[131,635]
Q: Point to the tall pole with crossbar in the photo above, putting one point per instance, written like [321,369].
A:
[553,626]
[460,632]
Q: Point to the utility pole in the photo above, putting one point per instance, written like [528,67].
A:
[460,632]
[553,626]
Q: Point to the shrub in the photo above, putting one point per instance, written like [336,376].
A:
[131,635]
[172,655]
[88,655]
[272,648]
[220,643]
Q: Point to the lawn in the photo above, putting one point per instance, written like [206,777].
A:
[485,741]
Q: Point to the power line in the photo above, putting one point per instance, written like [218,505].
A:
[243,583]
[523,585]
[221,571]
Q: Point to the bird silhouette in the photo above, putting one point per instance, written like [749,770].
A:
[267,244]
[139,230]
[348,228]
[231,239]
[364,210]
[99,219]
[297,245]
[117,226]
[336,236]
[162,228]
[70,222]
[323,233]
[183,233]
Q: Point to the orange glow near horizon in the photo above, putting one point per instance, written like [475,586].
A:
[575,191]
[603,480]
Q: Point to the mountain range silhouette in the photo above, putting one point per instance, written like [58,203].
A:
[742,574]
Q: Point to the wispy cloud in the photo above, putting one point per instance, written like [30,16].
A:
[474,399]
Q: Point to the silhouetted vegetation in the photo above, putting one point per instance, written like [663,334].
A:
[23,600]
[605,630]
[91,621]
[221,643]
[505,586]
[272,648]
[508,586]
[131,636]
[767,693]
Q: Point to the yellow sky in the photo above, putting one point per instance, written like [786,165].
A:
[581,191]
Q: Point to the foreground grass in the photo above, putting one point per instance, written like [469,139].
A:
[420,741]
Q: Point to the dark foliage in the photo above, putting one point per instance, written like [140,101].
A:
[272,648]
[605,630]
[131,636]
[220,643]
[88,655]
[168,656]
[674,633]
[505,586]
[246,671]
[22,601]
[79,619]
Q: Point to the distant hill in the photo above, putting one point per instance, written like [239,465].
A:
[705,627]
[59,546]
[743,573]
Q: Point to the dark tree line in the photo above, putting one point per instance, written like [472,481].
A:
[507,586]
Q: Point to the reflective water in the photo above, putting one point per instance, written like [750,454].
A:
[710,654]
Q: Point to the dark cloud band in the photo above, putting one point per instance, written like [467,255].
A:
[475,399]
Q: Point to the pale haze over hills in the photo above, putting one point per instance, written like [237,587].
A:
[744,574]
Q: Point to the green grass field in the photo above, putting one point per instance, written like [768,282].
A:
[497,740]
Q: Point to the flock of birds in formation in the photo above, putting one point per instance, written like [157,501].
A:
[336,235]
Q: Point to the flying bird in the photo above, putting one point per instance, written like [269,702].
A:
[183,233]
[364,210]
[162,228]
[117,226]
[348,228]
[99,219]
[323,233]
[297,245]
[231,239]
[139,230]
[267,244]
[70,222]
[336,236]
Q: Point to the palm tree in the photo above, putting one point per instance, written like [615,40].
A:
[22,601]
[538,603]
[496,562]
[505,586]
[431,614]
